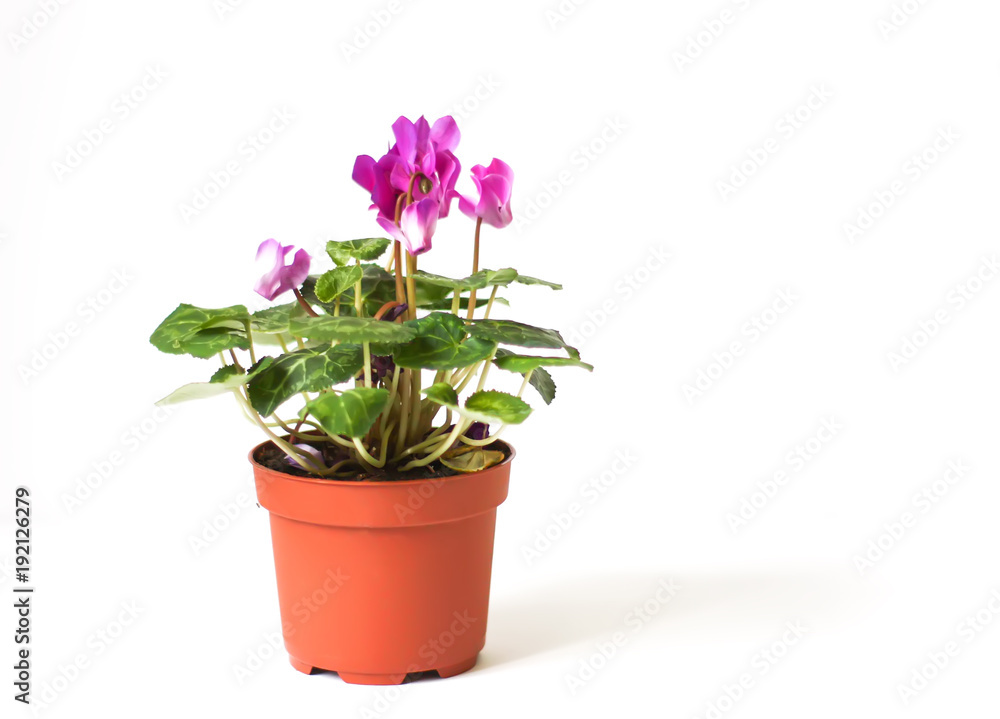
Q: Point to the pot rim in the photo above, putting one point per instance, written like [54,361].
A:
[371,482]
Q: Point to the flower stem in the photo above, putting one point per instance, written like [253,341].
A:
[398,253]
[366,347]
[475,269]
[305,305]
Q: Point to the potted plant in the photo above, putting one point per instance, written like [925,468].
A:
[382,483]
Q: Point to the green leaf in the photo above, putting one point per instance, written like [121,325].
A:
[525,280]
[488,278]
[351,413]
[482,280]
[445,304]
[224,380]
[488,406]
[476,282]
[471,459]
[541,380]
[508,332]
[202,332]
[522,364]
[442,393]
[305,370]
[377,288]
[336,282]
[543,383]
[349,329]
[365,250]
[441,343]
[493,407]
[273,320]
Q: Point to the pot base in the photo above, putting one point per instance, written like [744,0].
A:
[387,679]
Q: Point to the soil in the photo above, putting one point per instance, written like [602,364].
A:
[276,460]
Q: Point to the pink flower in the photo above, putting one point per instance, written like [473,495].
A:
[278,277]
[416,226]
[495,184]
[422,159]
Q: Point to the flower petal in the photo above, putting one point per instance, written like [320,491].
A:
[445,134]
[406,139]
[390,227]
[364,172]
[418,223]
[279,278]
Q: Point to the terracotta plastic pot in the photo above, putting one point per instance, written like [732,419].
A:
[380,579]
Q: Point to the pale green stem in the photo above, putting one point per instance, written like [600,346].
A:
[378,464]
[433,439]
[469,377]
[385,444]
[359,309]
[253,355]
[304,460]
[404,412]
[524,385]
[460,428]
[486,371]
[489,305]
[393,391]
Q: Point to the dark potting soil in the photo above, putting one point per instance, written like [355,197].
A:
[275,459]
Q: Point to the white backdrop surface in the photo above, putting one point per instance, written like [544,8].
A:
[776,226]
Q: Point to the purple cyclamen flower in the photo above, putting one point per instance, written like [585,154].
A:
[478,430]
[395,313]
[423,160]
[278,277]
[416,226]
[495,184]
[310,450]
[382,367]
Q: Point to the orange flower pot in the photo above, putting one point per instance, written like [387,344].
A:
[377,580]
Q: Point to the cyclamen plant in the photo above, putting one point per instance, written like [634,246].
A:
[357,340]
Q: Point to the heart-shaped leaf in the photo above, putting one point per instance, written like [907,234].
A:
[326,328]
[336,282]
[351,413]
[541,380]
[508,332]
[365,250]
[522,364]
[441,342]
[305,370]
[202,332]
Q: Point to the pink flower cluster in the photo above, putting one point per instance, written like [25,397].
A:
[413,184]
[412,187]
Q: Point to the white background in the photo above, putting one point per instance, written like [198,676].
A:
[533,88]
